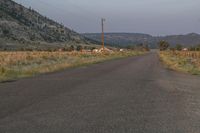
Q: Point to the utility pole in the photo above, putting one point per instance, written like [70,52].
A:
[102,24]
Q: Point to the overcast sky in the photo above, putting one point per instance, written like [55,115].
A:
[155,17]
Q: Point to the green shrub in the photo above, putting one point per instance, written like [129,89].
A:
[2,70]
[79,48]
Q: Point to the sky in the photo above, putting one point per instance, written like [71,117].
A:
[155,17]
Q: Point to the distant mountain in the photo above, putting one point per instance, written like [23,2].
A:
[26,26]
[186,40]
[119,38]
[126,39]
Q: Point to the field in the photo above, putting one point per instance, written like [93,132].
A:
[185,61]
[14,65]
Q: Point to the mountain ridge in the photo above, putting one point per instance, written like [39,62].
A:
[124,39]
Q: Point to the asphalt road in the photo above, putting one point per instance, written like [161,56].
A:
[133,95]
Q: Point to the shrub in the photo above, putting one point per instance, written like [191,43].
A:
[179,47]
[72,48]
[92,48]
[163,45]
[79,48]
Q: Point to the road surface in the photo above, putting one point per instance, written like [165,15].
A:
[133,95]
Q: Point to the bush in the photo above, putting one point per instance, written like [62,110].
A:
[163,45]
[2,70]
[79,48]
[92,48]
[6,32]
[179,47]
[72,48]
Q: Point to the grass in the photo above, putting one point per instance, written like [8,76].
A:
[15,65]
[181,61]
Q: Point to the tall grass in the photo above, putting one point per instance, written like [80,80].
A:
[15,65]
[185,61]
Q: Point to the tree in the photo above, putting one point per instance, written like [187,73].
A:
[198,48]
[163,45]
[79,48]
[146,47]
[179,47]
[6,31]
[92,48]
[131,47]
[192,48]
[72,48]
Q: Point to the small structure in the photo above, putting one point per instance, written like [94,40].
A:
[102,50]
[60,50]
[105,50]
[86,50]
[95,50]
[185,49]
[121,50]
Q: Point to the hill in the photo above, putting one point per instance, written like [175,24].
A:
[126,39]
[23,27]
[186,40]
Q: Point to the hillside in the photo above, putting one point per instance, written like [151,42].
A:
[21,26]
[186,40]
[125,39]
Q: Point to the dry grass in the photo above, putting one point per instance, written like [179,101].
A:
[185,61]
[15,65]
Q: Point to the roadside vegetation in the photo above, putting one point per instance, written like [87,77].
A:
[180,58]
[19,64]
